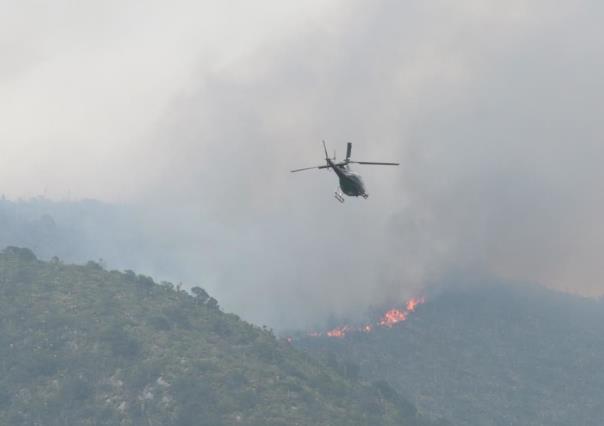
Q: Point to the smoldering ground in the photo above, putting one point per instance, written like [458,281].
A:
[493,111]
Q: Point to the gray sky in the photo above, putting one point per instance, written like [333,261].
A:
[197,110]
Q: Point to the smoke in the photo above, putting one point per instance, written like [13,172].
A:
[493,110]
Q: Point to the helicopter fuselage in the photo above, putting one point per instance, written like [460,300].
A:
[351,183]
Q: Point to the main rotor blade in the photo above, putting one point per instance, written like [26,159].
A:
[348,150]
[309,168]
[325,148]
[375,163]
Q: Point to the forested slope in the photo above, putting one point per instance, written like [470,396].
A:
[488,355]
[83,346]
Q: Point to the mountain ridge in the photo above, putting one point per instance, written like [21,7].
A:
[82,345]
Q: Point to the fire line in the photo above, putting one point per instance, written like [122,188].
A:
[388,319]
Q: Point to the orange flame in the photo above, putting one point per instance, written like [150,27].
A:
[392,317]
[389,319]
[339,331]
[413,302]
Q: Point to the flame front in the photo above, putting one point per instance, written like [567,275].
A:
[339,331]
[392,317]
[389,319]
[413,302]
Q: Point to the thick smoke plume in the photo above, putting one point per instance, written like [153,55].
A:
[493,110]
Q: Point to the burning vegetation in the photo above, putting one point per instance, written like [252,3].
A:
[392,317]
[388,319]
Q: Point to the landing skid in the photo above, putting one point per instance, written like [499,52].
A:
[339,196]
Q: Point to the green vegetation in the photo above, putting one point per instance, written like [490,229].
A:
[80,345]
[489,356]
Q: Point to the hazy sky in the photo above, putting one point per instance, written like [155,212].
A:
[195,111]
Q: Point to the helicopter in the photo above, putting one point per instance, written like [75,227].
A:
[351,183]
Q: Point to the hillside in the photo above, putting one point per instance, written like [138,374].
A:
[488,356]
[80,345]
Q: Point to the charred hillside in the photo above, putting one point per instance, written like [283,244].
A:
[487,356]
[82,345]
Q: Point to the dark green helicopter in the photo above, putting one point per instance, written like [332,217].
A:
[351,183]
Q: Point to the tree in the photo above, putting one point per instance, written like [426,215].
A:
[200,294]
